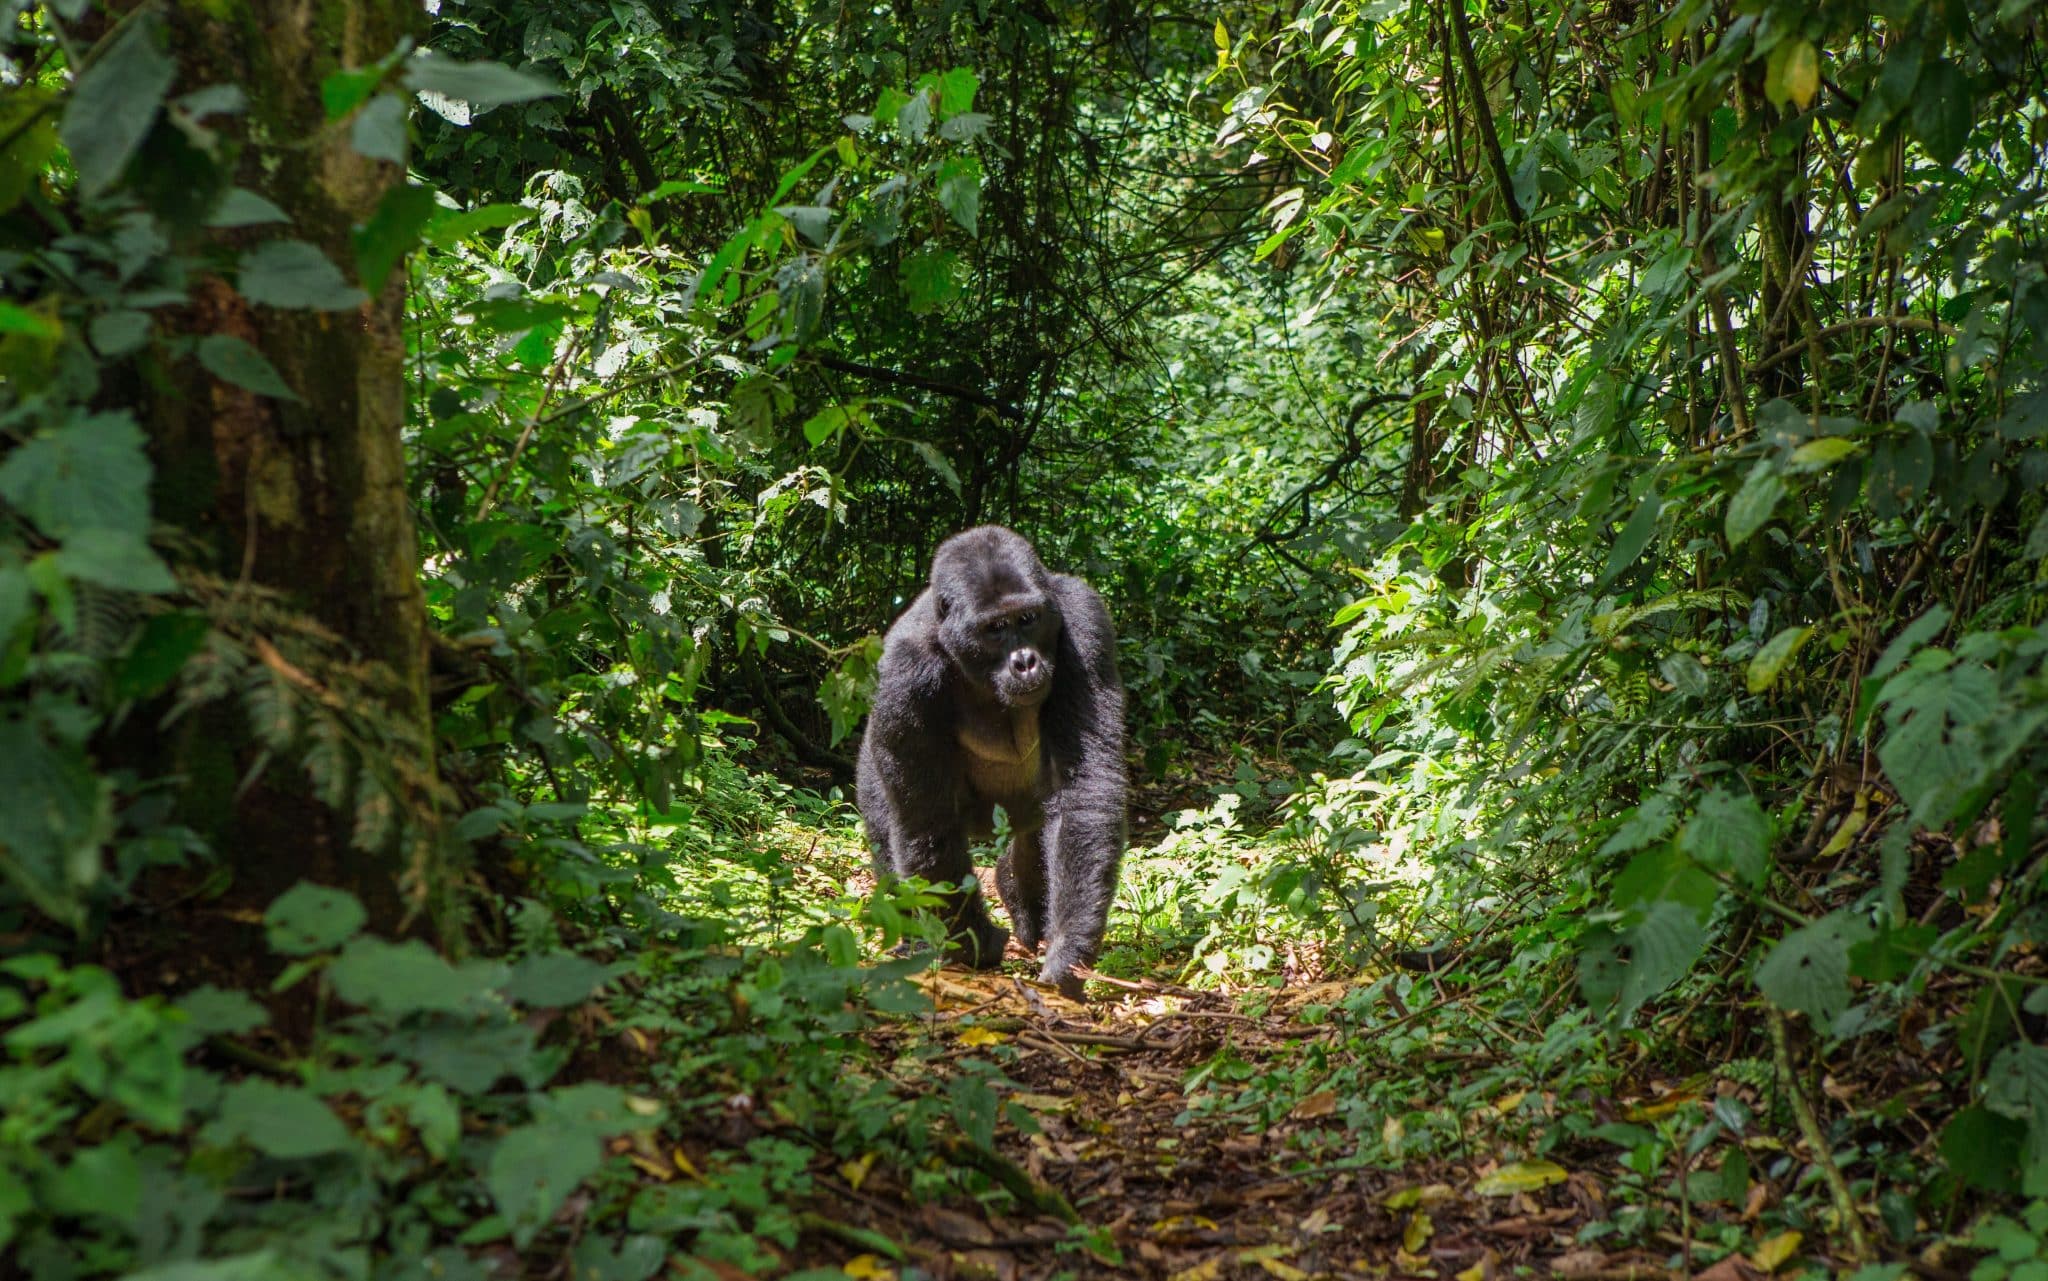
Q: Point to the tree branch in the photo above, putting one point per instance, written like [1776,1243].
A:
[1002,408]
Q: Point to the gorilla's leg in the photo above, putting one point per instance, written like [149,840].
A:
[1020,874]
[1081,868]
[970,935]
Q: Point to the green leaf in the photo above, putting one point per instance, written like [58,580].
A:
[16,319]
[1808,969]
[392,231]
[555,979]
[400,978]
[826,423]
[343,91]
[214,1011]
[1663,946]
[294,274]
[116,100]
[1664,874]
[280,1121]
[1943,110]
[936,461]
[58,814]
[1634,536]
[956,91]
[114,558]
[116,333]
[16,607]
[310,918]
[1685,672]
[1773,655]
[931,279]
[960,190]
[1730,834]
[231,360]
[1792,73]
[1754,502]
[1824,452]
[535,1168]
[450,227]
[1982,1149]
[379,131]
[159,652]
[89,473]
[243,208]
[482,85]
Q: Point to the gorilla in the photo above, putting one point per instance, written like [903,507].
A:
[998,686]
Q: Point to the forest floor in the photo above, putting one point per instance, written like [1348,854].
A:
[1122,1180]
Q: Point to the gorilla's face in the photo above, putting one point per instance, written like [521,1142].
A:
[997,621]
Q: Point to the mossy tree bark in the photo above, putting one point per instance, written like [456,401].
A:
[305,498]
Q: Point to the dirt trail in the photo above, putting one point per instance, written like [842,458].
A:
[1168,1195]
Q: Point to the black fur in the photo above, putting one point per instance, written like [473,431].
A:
[998,686]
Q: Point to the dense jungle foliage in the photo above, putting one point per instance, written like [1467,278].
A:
[1570,478]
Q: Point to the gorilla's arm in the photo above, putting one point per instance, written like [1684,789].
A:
[912,791]
[1085,813]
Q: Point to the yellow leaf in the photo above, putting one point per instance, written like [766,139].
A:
[855,1172]
[1520,1176]
[1416,1234]
[1392,1131]
[1477,1272]
[1507,1103]
[1802,73]
[653,1167]
[683,1163]
[1222,36]
[1772,1254]
[1409,1197]
[866,1267]
[979,1036]
[1321,1103]
[1269,1257]
[1660,1108]
[1043,1102]
[1184,1223]
[640,1105]
[1208,1269]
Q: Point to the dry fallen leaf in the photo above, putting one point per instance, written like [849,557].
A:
[1579,1263]
[978,1036]
[1416,1234]
[1270,1258]
[1321,1103]
[855,1172]
[1208,1269]
[866,1267]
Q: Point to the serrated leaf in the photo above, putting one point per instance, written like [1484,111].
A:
[214,1011]
[535,1168]
[116,333]
[114,558]
[310,918]
[1772,656]
[280,1121]
[115,101]
[1808,970]
[400,978]
[232,360]
[555,979]
[89,473]
[1663,946]
[956,91]
[450,227]
[293,274]
[1729,833]
[1754,502]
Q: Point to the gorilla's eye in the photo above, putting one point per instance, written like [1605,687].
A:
[1026,619]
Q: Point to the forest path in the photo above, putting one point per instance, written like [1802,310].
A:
[1159,1190]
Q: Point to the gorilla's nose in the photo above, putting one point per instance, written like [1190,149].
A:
[1024,662]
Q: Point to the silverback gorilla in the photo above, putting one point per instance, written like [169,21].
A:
[998,686]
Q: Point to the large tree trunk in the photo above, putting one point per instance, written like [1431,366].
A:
[304,498]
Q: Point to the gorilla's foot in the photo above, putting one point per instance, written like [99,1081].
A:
[979,947]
